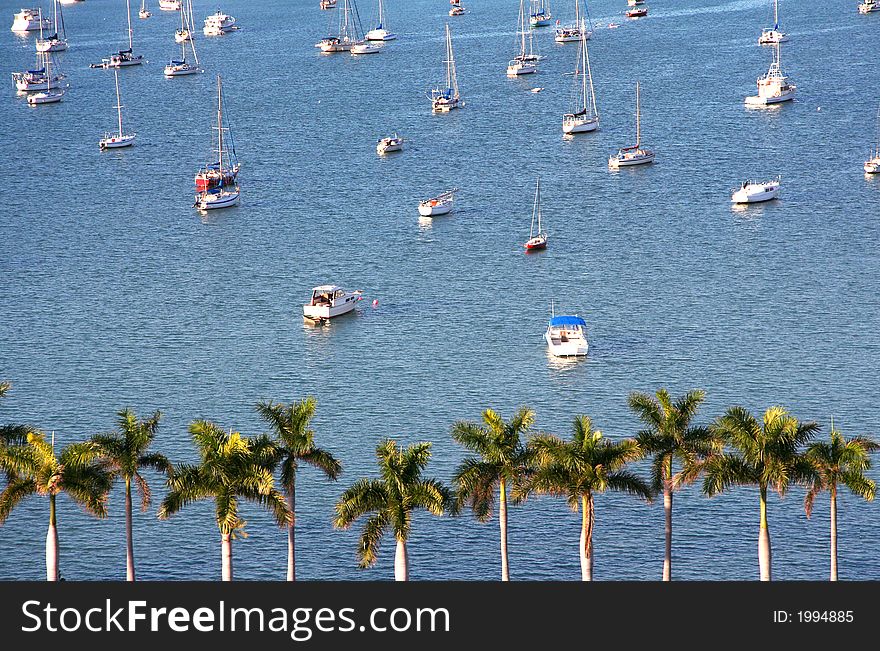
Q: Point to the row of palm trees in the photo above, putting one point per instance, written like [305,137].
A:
[508,463]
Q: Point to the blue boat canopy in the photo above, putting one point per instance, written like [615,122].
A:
[567,320]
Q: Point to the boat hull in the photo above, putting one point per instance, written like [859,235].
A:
[570,348]
[216,202]
[178,71]
[45,98]
[315,312]
[388,149]
[580,126]
[872,166]
[743,196]
[116,142]
[380,35]
[55,45]
[615,162]
[758,100]
[433,211]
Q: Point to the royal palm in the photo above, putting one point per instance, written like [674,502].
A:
[390,501]
[13,434]
[765,453]
[295,444]
[125,453]
[503,460]
[579,469]
[232,468]
[837,463]
[678,448]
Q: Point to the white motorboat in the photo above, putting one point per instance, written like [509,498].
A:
[565,336]
[328,4]
[389,144]
[539,13]
[380,31]
[120,138]
[123,58]
[439,205]
[635,3]
[868,6]
[181,67]
[585,115]
[218,24]
[446,99]
[635,155]
[365,47]
[57,42]
[144,12]
[773,35]
[30,20]
[756,191]
[573,32]
[169,5]
[537,236]
[773,87]
[218,198]
[346,36]
[329,301]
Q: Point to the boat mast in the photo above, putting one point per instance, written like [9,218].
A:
[183,29]
[577,12]
[522,28]
[638,119]
[118,100]
[220,125]
[40,14]
[776,14]
[538,202]
[192,30]
[128,15]
[451,79]
[381,14]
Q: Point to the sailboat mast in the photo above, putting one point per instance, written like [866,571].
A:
[381,14]
[55,19]
[220,124]
[577,12]
[538,202]
[128,15]
[192,31]
[522,27]
[118,100]
[775,14]
[638,119]
[590,76]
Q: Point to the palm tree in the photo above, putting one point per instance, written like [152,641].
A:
[503,461]
[840,462]
[391,500]
[35,468]
[232,467]
[678,447]
[124,453]
[295,443]
[766,454]
[12,434]
[580,468]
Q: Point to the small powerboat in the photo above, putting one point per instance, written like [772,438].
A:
[330,301]
[755,192]
[565,336]
[389,144]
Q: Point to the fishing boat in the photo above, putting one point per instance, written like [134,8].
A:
[219,24]
[181,67]
[330,301]
[120,138]
[389,144]
[123,58]
[169,5]
[56,42]
[520,65]
[537,235]
[565,336]
[773,87]
[30,20]
[328,4]
[47,96]
[380,31]
[539,13]
[446,99]
[40,78]
[572,32]
[585,116]
[773,35]
[222,174]
[639,11]
[346,36]
[635,155]
[439,205]
[756,191]
[868,6]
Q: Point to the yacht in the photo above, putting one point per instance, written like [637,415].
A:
[584,116]
[220,197]
[868,6]
[328,4]
[144,13]
[365,47]
[389,144]
[218,24]
[346,36]
[522,63]
[638,11]
[439,205]
[756,191]
[119,139]
[539,13]
[41,78]
[169,5]
[537,236]
[572,33]
[634,155]
[773,35]
[30,20]
[565,336]
[330,301]
[47,96]
[213,180]
[380,32]
[773,86]
[446,99]
[57,42]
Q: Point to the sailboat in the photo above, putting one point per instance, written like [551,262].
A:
[213,180]
[445,99]
[169,5]
[178,68]
[586,116]
[570,33]
[122,58]
[772,35]
[54,43]
[539,13]
[187,26]
[40,78]
[519,65]
[120,139]
[144,12]
[634,155]
[537,236]
[48,96]
[773,86]
[380,32]
[872,165]
[345,37]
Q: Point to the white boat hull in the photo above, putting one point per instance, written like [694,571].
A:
[755,196]
[570,348]
[521,68]
[758,100]
[52,46]
[387,149]
[217,201]
[34,86]
[872,166]
[328,311]
[380,35]
[615,162]
[116,142]
[364,48]
[169,5]
[426,210]
[580,125]
[180,71]
[22,25]
[45,98]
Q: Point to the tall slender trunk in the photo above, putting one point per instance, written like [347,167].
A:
[401,562]
[764,553]
[226,554]
[833,533]
[586,550]
[502,520]
[129,543]
[52,543]
[291,536]
[667,508]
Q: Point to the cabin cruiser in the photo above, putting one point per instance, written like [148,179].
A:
[754,192]
[389,144]
[218,24]
[565,336]
[329,301]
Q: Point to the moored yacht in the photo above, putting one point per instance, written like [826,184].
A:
[56,42]
[522,64]
[329,301]
[773,86]
[773,35]
[123,58]
[868,6]
[756,191]
[47,96]
[446,99]
[218,24]
[346,36]
[539,13]
[634,155]
[119,139]
[389,144]
[537,236]
[572,33]
[213,181]
[584,116]
[41,78]
[380,31]
[565,336]
[29,20]
[169,5]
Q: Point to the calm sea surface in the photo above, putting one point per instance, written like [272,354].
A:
[116,293]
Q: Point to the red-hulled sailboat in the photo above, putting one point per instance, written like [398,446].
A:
[537,236]
[225,170]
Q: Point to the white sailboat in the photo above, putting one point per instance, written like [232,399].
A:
[439,205]
[345,36]
[187,25]
[220,196]
[144,12]
[520,65]
[57,42]
[539,13]
[872,165]
[40,78]
[446,99]
[48,96]
[773,86]
[389,144]
[585,117]
[181,67]
[119,139]
[537,236]
[573,32]
[380,31]
[123,58]
[635,155]
[772,35]
[169,5]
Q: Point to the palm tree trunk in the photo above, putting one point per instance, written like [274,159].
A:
[586,550]
[502,519]
[764,553]
[833,533]
[401,562]
[129,544]
[52,543]
[226,544]
[291,536]
[667,508]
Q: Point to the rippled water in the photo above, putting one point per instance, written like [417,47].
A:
[116,293]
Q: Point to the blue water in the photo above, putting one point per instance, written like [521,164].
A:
[116,293]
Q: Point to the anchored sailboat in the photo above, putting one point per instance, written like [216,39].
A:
[539,13]
[634,155]
[48,96]
[772,35]
[41,77]
[345,37]
[585,117]
[773,86]
[537,236]
[214,180]
[178,68]
[54,43]
[123,58]
[445,99]
[187,25]
[144,12]
[380,32]
[522,64]
[573,32]
[120,139]
[872,165]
